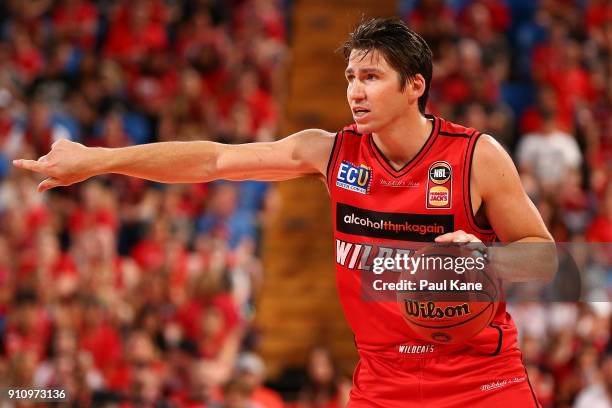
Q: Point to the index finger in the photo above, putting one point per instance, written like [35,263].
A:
[33,165]
[448,237]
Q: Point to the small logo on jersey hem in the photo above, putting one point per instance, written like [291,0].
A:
[439,186]
[495,385]
[354,178]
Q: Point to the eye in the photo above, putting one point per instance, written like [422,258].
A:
[371,76]
[350,78]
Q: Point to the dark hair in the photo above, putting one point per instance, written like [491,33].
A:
[403,49]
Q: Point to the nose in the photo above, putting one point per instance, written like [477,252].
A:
[356,91]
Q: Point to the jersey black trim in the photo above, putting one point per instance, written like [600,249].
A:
[535,399]
[331,156]
[465,135]
[336,155]
[499,340]
[467,202]
[386,165]
[353,132]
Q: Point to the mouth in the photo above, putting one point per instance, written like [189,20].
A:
[359,112]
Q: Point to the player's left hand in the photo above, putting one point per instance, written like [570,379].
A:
[463,239]
[458,236]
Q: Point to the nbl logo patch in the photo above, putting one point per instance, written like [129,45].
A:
[354,178]
[439,185]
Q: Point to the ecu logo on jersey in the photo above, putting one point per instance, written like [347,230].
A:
[354,178]
[439,185]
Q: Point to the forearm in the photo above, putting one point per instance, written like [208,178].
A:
[165,162]
[528,259]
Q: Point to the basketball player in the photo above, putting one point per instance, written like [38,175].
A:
[395,164]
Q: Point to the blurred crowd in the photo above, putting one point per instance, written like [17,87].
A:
[537,75]
[124,292]
[130,293]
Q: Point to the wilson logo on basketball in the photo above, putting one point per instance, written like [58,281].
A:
[429,310]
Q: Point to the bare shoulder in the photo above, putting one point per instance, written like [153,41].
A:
[488,150]
[492,167]
[312,146]
[317,136]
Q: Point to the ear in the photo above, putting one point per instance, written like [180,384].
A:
[417,85]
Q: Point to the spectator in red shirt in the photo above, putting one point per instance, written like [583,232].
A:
[203,388]
[149,252]
[600,229]
[548,100]
[433,20]
[598,14]
[99,337]
[68,368]
[137,360]
[41,133]
[322,388]
[260,103]
[154,82]
[76,21]
[113,133]
[27,59]
[145,388]
[136,30]
[28,327]
[251,371]
[237,394]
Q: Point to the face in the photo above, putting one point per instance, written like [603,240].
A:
[373,91]
[320,367]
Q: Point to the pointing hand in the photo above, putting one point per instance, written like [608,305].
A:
[67,163]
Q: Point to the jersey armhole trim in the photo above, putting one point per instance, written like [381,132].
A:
[333,157]
[467,187]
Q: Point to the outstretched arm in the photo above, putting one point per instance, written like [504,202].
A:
[302,153]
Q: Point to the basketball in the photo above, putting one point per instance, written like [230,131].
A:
[454,294]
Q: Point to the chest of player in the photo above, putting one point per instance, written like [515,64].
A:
[432,182]
[432,186]
[425,198]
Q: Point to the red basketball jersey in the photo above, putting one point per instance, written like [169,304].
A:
[373,203]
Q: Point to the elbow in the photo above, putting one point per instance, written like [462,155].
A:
[207,169]
[204,175]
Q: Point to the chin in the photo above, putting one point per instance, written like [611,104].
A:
[364,128]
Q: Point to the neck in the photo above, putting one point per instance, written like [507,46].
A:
[402,139]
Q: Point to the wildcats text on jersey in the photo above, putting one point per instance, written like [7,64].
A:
[361,256]
[416,348]
[354,178]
